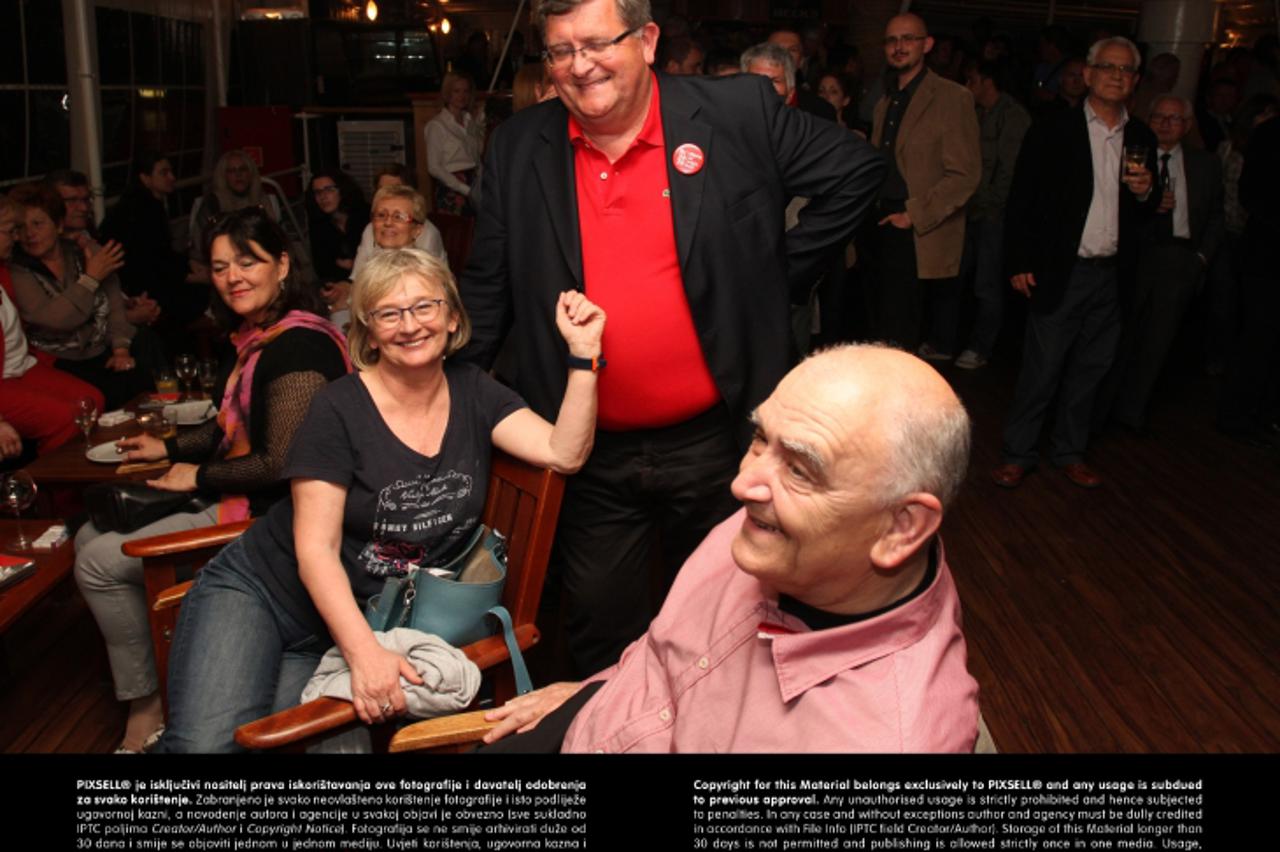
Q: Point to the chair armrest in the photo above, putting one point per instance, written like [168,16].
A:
[321,716]
[172,596]
[171,544]
[458,729]
[324,715]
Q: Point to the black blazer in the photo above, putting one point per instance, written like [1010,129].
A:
[736,260]
[1260,195]
[1204,203]
[1050,197]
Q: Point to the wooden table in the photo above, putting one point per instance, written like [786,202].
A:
[68,466]
[52,566]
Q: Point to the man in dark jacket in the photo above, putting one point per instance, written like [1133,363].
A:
[662,198]
[1070,224]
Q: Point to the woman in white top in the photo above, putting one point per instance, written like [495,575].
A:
[454,140]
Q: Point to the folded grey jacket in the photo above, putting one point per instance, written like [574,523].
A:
[450,680]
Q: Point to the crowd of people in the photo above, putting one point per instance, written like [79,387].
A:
[660,234]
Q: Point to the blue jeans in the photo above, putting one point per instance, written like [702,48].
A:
[237,656]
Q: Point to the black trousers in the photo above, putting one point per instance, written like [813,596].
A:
[1169,274]
[902,300]
[1067,351]
[645,498]
[1248,397]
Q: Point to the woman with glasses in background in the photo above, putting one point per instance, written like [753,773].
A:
[37,402]
[389,472]
[399,220]
[70,300]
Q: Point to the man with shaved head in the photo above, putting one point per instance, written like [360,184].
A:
[927,129]
[822,615]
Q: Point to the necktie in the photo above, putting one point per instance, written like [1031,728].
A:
[1164,171]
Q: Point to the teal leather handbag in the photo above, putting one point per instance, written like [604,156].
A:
[454,601]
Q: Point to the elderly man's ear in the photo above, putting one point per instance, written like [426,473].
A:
[913,521]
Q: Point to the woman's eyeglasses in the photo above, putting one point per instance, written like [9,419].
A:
[424,311]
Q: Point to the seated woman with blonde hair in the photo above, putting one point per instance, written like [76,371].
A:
[375,445]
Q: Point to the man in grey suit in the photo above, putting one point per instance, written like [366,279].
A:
[1174,251]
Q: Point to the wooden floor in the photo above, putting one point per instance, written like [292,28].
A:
[1140,617]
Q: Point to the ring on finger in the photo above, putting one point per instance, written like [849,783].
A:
[386,708]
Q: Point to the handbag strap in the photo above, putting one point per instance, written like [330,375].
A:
[523,683]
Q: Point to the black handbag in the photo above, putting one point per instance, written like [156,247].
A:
[123,507]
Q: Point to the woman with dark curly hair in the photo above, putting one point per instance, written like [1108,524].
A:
[336,216]
[286,351]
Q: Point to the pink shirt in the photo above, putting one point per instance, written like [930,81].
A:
[702,679]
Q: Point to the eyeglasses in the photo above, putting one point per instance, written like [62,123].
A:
[76,199]
[424,311]
[560,55]
[1166,118]
[324,190]
[397,216]
[904,40]
[1108,68]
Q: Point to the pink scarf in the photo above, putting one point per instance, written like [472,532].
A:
[233,416]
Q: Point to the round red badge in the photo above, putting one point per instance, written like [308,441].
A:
[688,159]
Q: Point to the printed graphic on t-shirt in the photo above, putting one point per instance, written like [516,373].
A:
[415,522]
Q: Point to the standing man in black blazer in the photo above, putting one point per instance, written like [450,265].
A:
[1174,253]
[662,198]
[1070,224]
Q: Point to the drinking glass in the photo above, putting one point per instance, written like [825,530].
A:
[208,376]
[1135,157]
[86,417]
[185,367]
[166,381]
[18,490]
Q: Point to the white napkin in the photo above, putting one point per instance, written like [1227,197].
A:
[115,418]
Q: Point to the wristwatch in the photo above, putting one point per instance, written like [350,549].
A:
[595,364]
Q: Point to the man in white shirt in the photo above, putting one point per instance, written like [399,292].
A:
[1071,223]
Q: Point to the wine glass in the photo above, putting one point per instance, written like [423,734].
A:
[86,416]
[208,376]
[185,367]
[18,490]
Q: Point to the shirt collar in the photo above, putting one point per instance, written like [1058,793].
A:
[1092,116]
[892,83]
[650,133]
[806,658]
[1175,153]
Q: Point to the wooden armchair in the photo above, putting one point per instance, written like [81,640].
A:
[523,504]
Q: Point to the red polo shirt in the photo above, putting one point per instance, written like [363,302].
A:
[656,375]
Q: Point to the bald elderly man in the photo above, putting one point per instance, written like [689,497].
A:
[822,616]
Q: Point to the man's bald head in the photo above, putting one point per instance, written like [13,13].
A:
[855,455]
[908,22]
[899,403]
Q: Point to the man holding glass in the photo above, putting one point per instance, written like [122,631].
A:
[1081,188]
[1176,247]
[663,198]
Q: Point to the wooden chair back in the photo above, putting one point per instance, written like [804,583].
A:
[456,232]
